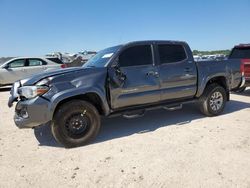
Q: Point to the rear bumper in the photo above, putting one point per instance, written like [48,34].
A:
[32,113]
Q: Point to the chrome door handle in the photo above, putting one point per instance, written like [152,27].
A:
[153,73]
[187,69]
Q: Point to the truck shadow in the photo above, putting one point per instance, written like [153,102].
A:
[119,127]
[245,93]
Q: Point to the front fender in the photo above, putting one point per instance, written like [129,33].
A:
[73,92]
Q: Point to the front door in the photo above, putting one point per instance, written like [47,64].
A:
[14,71]
[141,84]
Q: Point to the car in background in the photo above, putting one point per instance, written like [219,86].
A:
[242,52]
[22,67]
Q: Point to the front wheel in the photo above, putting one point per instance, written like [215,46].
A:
[213,100]
[75,123]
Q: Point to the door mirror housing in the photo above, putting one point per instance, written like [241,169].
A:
[116,75]
[6,66]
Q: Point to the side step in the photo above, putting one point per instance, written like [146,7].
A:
[134,114]
[172,108]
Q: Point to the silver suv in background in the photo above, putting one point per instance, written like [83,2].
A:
[22,67]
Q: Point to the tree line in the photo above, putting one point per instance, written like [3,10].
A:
[224,52]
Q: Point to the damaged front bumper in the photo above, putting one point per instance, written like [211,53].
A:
[14,93]
[29,113]
[32,113]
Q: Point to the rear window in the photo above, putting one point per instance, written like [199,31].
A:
[36,62]
[240,53]
[171,53]
[55,60]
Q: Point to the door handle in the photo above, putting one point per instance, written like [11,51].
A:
[153,73]
[188,69]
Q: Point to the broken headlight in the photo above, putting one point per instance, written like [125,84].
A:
[32,91]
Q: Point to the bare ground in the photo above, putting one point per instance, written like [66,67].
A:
[162,149]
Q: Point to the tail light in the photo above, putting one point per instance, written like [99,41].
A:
[63,66]
[243,65]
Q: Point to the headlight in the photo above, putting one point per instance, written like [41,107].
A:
[32,91]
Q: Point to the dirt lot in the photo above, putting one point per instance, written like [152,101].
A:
[162,149]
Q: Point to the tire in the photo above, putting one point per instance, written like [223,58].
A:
[240,90]
[213,100]
[75,123]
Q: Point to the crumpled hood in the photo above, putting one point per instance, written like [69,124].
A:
[76,70]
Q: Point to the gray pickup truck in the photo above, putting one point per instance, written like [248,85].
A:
[123,80]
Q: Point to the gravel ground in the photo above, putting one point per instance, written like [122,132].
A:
[162,149]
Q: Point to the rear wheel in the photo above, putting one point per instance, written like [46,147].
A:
[213,100]
[75,123]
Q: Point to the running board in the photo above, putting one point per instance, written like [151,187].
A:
[172,108]
[132,115]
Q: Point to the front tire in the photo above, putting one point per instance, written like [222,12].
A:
[75,123]
[213,100]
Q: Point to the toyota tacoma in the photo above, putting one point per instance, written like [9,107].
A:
[125,80]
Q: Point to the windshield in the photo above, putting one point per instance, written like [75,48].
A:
[102,57]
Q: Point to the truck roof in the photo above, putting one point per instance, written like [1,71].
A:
[157,41]
[242,45]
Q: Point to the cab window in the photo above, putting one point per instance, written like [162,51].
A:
[136,56]
[171,53]
[17,63]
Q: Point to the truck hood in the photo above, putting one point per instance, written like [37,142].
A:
[75,76]
[76,70]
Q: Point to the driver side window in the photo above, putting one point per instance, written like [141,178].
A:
[136,56]
[17,63]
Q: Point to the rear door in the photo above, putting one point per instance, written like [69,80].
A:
[141,85]
[178,74]
[35,66]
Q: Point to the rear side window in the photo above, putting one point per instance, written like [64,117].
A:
[17,63]
[36,62]
[136,55]
[171,53]
[240,53]
[55,60]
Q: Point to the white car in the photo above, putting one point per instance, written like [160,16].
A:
[22,67]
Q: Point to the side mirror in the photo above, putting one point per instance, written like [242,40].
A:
[119,73]
[7,66]
[117,76]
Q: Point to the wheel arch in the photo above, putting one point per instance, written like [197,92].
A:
[92,97]
[218,79]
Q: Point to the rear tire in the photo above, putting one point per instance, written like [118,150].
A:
[75,123]
[213,100]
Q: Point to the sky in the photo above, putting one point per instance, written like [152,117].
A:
[33,27]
